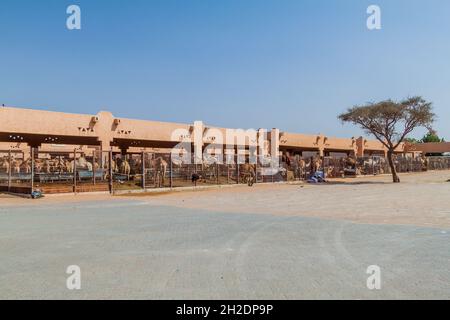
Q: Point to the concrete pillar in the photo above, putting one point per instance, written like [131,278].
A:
[32,149]
[360,147]
[123,150]
[275,147]
[321,152]
[74,170]
[198,142]
[262,139]
[105,147]
[93,167]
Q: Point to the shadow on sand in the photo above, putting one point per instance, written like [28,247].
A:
[351,183]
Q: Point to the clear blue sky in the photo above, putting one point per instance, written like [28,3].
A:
[290,64]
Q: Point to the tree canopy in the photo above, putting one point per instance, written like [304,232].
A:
[431,137]
[390,122]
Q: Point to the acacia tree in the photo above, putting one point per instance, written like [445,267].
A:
[390,122]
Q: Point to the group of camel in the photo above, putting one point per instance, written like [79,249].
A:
[348,165]
[61,165]
[302,167]
[157,166]
[56,165]
[16,165]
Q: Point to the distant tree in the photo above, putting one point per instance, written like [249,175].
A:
[431,136]
[390,122]
[412,140]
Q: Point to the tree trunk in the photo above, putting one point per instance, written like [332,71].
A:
[395,177]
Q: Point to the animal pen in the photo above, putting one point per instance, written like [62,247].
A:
[94,170]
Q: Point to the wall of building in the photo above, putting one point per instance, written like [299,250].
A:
[431,147]
[21,128]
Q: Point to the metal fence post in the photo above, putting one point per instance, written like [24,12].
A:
[143,169]
[75,170]
[9,171]
[256,168]
[93,167]
[171,171]
[373,165]
[110,172]
[237,171]
[217,172]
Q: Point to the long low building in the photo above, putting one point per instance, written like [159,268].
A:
[22,128]
[430,148]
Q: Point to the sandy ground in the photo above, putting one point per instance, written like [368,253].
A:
[262,242]
[421,199]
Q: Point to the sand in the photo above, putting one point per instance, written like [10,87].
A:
[421,199]
[262,242]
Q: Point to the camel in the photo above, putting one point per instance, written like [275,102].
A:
[248,171]
[47,166]
[26,165]
[160,169]
[125,168]
[15,165]
[114,166]
[82,163]
[299,165]
[68,165]
[38,165]
[330,171]
[424,163]
[60,165]
[374,165]
[316,164]
[348,164]
[302,166]
[4,164]
[209,171]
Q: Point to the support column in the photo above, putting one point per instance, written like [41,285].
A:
[110,159]
[123,151]
[93,167]
[198,142]
[75,170]
[360,147]
[275,147]
[32,167]
[105,146]
[321,152]
[237,168]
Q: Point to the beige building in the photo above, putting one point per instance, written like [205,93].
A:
[429,148]
[25,128]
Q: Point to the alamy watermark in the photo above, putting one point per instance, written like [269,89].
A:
[374,19]
[374,280]
[225,146]
[73,22]
[73,281]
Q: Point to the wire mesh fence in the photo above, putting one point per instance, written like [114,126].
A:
[93,170]
[437,163]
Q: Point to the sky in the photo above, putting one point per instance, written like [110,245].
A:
[289,64]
